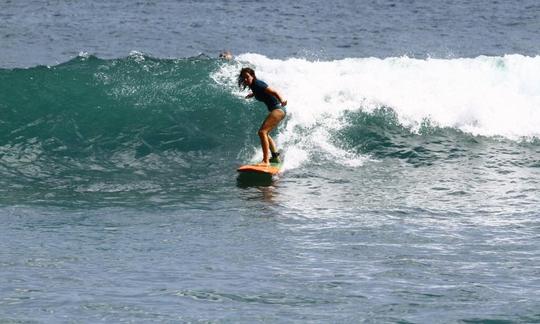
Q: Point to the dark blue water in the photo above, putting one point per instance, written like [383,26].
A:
[409,192]
[36,32]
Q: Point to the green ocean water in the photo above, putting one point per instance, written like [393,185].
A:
[137,128]
[119,124]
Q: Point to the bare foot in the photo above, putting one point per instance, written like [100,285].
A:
[265,164]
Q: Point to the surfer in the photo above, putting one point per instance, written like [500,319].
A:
[276,107]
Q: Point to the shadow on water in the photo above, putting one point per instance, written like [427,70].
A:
[247,180]
[257,187]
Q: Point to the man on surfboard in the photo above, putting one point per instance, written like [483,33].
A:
[276,107]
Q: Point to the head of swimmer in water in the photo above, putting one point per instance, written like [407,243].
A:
[226,55]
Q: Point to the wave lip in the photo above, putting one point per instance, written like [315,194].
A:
[489,96]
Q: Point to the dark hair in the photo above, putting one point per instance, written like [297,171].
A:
[250,71]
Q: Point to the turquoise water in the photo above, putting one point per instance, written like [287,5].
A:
[409,191]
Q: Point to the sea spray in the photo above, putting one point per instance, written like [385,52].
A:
[490,96]
[487,96]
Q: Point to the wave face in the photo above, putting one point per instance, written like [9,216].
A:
[90,106]
[92,125]
[137,124]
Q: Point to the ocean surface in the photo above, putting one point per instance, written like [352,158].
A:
[410,187]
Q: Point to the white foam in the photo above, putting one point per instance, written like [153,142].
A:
[489,96]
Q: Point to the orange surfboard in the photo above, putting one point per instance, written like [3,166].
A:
[272,169]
